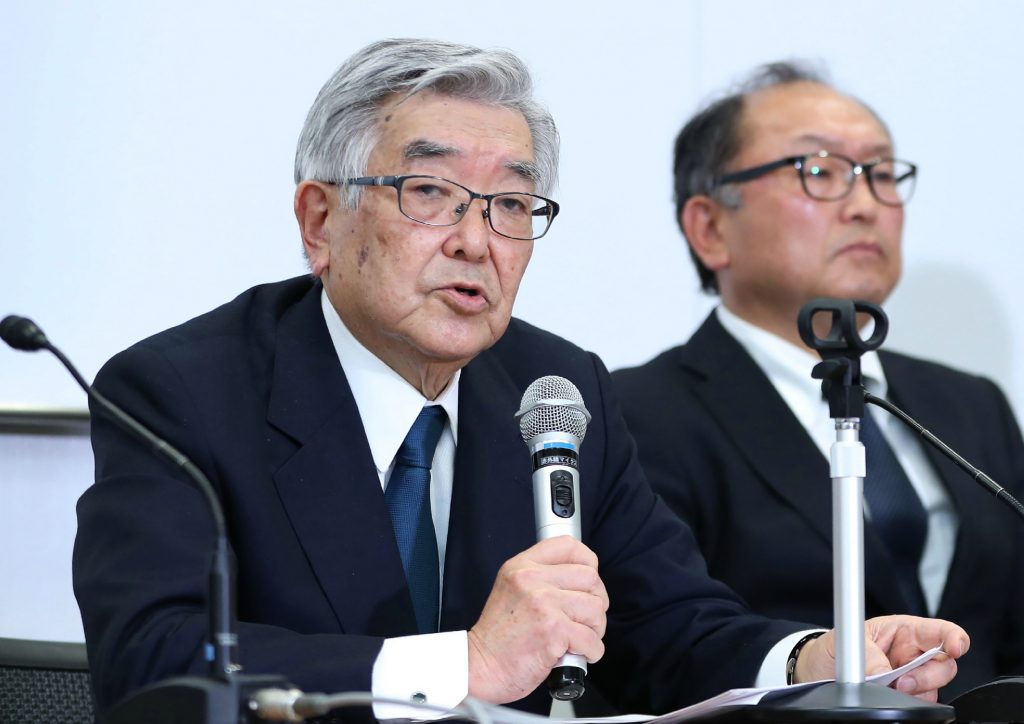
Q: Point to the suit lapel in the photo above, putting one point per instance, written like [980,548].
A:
[492,498]
[740,397]
[329,487]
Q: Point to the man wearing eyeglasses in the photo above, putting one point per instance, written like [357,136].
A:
[358,424]
[786,191]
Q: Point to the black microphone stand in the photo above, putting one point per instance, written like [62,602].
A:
[218,698]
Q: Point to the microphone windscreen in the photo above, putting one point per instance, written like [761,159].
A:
[552,404]
[22,333]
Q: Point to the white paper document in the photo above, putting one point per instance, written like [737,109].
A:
[733,697]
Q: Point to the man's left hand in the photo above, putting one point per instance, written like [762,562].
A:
[890,642]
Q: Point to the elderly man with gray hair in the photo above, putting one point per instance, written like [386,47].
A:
[358,426]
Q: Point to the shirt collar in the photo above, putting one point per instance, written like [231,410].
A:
[388,405]
[789,367]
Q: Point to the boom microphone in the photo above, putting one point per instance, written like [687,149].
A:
[217,699]
[22,333]
[553,422]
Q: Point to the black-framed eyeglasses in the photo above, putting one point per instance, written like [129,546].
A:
[830,176]
[436,201]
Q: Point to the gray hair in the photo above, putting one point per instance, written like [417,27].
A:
[712,138]
[341,129]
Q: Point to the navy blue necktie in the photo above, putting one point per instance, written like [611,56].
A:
[408,501]
[897,514]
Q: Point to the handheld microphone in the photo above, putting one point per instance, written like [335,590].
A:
[217,698]
[553,422]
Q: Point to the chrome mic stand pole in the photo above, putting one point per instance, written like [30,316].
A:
[847,469]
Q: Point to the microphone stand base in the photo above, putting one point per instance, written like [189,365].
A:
[192,699]
[835,702]
[1000,700]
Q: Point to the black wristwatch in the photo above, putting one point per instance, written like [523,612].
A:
[795,654]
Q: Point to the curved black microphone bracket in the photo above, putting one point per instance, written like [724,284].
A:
[841,348]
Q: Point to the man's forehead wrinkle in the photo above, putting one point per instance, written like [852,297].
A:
[425,148]
[879,147]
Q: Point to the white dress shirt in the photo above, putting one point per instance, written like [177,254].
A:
[433,668]
[788,367]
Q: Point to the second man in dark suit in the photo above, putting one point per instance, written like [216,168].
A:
[786,191]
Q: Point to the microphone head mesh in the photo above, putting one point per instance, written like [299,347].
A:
[552,404]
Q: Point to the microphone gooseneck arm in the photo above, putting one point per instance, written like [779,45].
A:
[23,334]
[981,478]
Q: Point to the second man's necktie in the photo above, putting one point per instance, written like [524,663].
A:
[897,514]
[408,501]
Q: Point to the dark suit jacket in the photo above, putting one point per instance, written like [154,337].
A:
[726,453]
[254,394]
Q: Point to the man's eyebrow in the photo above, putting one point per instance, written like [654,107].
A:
[422,148]
[527,169]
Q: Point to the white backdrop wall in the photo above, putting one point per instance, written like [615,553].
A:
[146,154]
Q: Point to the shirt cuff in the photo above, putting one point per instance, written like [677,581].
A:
[429,668]
[773,668]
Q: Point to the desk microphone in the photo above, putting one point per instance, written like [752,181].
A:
[203,701]
[553,422]
[840,348]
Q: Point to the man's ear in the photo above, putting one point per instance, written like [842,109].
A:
[702,219]
[312,209]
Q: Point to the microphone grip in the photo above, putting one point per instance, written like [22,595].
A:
[556,494]
[556,491]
